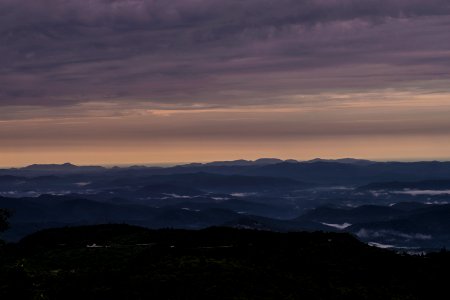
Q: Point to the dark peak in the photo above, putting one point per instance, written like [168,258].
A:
[239,162]
[355,161]
[60,167]
[351,161]
[291,161]
[135,167]
[317,159]
[267,161]
[50,166]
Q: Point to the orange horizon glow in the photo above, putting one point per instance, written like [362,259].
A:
[432,148]
[397,128]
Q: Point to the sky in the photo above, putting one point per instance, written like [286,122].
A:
[147,81]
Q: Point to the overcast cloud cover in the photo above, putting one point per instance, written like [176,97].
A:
[155,58]
[215,52]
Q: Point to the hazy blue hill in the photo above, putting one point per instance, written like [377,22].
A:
[428,220]
[318,172]
[32,213]
[10,179]
[410,225]
[237,205]
[411,171]
[409,206]
[208,182]
[24,208]
[364,213]
[415,185]
[166,188]
[335,172]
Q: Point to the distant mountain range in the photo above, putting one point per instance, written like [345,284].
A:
[401,204]
[345,171]
[240,162]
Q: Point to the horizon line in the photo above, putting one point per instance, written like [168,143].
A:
[172,164]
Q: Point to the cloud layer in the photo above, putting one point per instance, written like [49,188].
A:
[182,52]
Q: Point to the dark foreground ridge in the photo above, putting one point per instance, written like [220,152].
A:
[128,262]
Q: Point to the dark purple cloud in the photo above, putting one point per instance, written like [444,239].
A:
[216,52]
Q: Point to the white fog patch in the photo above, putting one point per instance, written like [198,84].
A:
[387,246]
[94,245]
[178,196]
[377,193]
[423,192]
[338,226]
[365,233]
[188,209]
[331,188]
[242,194]
[18,194]
[436,202]
[8,194]
[81,184]
[59,193]
[418,236]
[379,245]
[220,198]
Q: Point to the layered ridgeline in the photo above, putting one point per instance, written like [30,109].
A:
[318,171]
[389,204]
[126,262]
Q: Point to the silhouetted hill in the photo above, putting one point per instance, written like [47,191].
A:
[127,262]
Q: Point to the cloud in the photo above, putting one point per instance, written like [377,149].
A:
[62,53]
